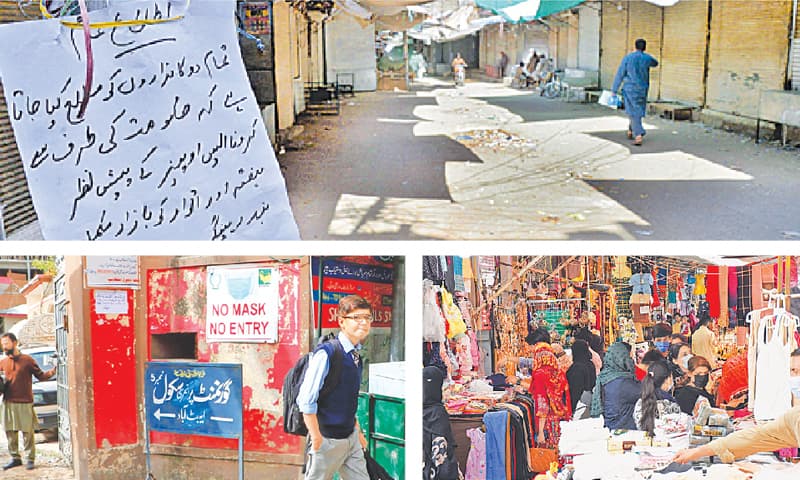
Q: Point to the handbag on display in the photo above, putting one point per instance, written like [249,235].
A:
[541,458]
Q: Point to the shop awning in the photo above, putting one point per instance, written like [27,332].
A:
[516,11]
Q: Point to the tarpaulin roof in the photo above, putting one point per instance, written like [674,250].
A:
[518,11]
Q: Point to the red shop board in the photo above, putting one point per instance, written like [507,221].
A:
[370,278]
[114,373]
[176,302]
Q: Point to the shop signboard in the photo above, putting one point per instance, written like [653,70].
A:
[194,398]
[242,304]
[341,278]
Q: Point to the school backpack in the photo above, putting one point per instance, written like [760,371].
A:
[292,416]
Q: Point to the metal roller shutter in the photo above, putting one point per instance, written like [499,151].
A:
[748,53]
[683,55]
[646,21]
[613,41]
[14,195]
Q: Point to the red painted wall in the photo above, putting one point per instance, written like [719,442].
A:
[176,303]
[114,373]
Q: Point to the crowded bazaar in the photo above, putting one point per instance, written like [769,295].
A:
[611,367]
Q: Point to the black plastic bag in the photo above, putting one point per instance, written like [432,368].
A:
[375,470]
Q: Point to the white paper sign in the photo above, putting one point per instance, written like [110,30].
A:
[242,304]
[111,302]
[112,271]
[172,145]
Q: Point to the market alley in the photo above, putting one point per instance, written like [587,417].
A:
[485,161]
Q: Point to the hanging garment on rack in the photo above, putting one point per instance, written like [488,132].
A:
[656,293]
[722,321]
[455,323]
[458,275]
[477,364]
[768,276]
[449,274]
[496,430]
[774,344]
[701,282]
[464,355]
[433,321]
[744,297]
[733,286]
[432,268]
[757,283]
[476,461]
[641,283]
[712,291]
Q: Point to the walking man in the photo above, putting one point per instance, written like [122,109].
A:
[634,77]
[336,441]
[17,412]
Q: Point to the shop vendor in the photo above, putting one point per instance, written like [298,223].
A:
[783,432]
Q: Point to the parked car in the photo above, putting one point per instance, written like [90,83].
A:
[45,394]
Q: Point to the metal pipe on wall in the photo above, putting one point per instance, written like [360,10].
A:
[398,337]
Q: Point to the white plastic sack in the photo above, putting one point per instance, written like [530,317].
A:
[610,100]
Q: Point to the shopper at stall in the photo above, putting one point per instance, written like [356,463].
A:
[648,359]
[438,450]
[581,376]
[679,355]
[662,333]
[704,341]
[699,374]
[777,434]
[617,389]
[655,400]
[549,390]
[678,338]
[335,438]
[595,347]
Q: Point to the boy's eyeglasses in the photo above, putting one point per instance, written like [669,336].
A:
[359,318]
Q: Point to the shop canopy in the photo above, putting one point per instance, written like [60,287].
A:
[519,11]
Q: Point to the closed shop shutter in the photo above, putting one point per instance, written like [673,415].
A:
[748,53]
[613,40]
[589,37]
[683,54]
[646,21]
[572,41]
[14,194]
[563,46]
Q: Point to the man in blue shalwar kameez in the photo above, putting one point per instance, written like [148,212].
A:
[634,77]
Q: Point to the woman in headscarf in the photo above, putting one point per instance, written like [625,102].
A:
[617,389]
[581,376]
[549,390]
[438,446]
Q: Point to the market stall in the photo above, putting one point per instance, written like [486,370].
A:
[482,316]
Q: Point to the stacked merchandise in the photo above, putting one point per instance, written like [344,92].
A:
[509,440]
[709,423]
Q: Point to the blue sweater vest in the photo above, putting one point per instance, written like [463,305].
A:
[336,412]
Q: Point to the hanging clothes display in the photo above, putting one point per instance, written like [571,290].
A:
[641,283]
[497,426]
[744,294]
[757,283]
[700,282]
[476,461]
[433,321]
[432,268]
[773,396]
[712,291]
[722,320]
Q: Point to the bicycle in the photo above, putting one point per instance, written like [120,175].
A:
[554,87]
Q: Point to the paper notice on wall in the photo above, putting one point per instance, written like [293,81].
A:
[242,304]
[111,302]
[119,271]
[172,144]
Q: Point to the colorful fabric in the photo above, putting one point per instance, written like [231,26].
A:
[712,296]
[722,320]
[476,461]
[496,432]
[550,392]
[458,272]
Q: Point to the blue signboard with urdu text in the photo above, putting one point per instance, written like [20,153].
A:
[194,398]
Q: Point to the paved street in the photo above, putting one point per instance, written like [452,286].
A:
[489,162]
[49,464]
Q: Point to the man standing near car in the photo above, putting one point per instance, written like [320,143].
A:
[17,412]
[336,441]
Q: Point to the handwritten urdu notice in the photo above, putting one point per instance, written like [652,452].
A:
[172,145]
